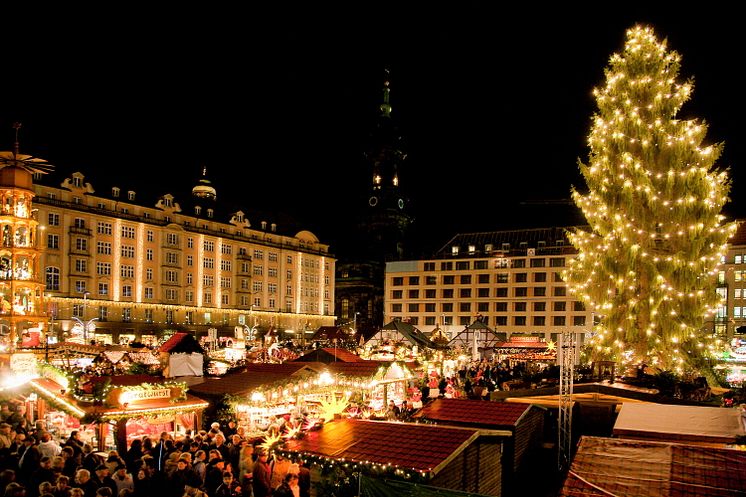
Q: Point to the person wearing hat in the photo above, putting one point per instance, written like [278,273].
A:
[214,475]
[102,478]
[192,488]
[183,473]
[123,479]
[261,474]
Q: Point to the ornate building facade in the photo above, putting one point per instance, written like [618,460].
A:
[128,272]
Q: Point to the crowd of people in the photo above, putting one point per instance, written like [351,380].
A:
[218,462]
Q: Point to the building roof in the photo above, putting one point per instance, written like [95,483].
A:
[181,342]
[675,423]
[380,442]
[612,466]
[254,376]
[493,415]
[510,242]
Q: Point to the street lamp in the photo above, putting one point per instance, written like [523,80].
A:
[354,323]
[85,327]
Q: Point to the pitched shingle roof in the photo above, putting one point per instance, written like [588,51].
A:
[494,415]
[181,342]
[418,447]
[255,376]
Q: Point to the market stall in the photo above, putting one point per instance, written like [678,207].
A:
[117,410]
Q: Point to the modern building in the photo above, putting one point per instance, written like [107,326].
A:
[510,280]
[381,227]
[730,319]
[128,271]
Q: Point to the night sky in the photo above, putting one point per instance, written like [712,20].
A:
[494,106]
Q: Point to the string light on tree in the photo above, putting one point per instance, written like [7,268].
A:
[647,266]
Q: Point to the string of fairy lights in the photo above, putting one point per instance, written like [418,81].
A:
[649,263]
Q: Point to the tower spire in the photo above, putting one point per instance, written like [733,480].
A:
[386,104]
[16,144]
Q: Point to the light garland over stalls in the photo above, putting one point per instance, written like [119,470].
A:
[649,262]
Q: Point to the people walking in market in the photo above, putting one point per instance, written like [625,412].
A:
[193,489]
[214,476]
[261,475]
[183,473]
[289,486]
[84,482]
[123,479]
[48,446]
[75,442]
[246,468]
[229,488]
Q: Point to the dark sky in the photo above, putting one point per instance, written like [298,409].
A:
[494,105]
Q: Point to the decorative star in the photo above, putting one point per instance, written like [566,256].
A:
[551,346]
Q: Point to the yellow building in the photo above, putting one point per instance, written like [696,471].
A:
[509,279]
[127,271]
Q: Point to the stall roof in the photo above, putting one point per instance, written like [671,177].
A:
[495,415]
[680,423]
[329,354]
[362,369]
[181,342]
[254,376]
[53,392]
[380,442]
[411,333]
[329,333]
[612,466]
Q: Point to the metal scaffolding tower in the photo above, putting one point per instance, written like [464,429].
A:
[567,343]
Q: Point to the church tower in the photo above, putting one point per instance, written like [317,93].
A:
[21,284]
[381,226]
[385,221]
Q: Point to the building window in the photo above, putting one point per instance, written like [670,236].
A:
[449,280]
[414,294]
[446,266]
[540,291]
[148,315]
[483,292]
[483,306]
[80,286]
[430,293]
[103,313]
[578,320]
[480,264]
[464,306]
[126,290]
[395,307]
[103,268]
[540,306]
[396,294]
[579,306]
[103,248]
[127,271]
[465,279]
[429,266]
[539,320]
[559,306]
[53,219]
[538,262]
[558,320]
[103,289]
[150,235]
[521,277]
[501,292]
[519,306]
[557,262]
[501,278]
[128,251]
[464,293]
[448,293]
[53,278]
[540,277]
[521,291]
[148,292]
[462,265]
[169,316]
[397,281]
[53,241]
[560,291]
[501,307]
[501,320]
[447,307]
[128,232]
[149,254]
[127,314]
[103,228]
[519,320]
[430,307]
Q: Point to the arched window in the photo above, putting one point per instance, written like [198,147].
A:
[53,278]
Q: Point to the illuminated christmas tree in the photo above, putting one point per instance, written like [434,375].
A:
[647,266]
